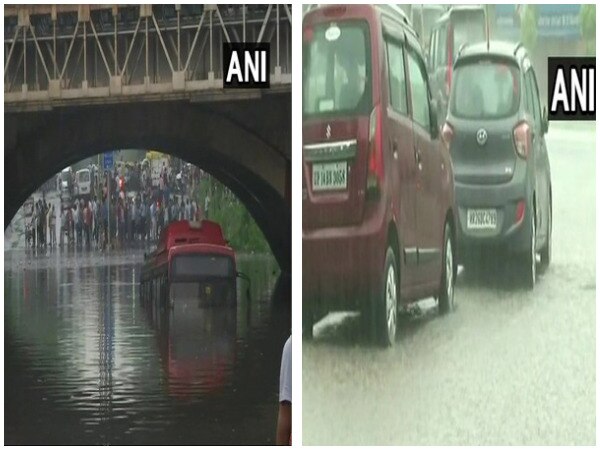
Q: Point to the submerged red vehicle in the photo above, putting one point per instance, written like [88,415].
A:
[192,261]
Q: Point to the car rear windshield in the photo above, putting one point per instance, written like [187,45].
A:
[84,177]
[186,266]
[485,90]
[336,68]
[469,28]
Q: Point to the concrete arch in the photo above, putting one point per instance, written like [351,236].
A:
[248,161]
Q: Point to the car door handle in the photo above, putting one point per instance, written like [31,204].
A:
[394,147]
[418,158]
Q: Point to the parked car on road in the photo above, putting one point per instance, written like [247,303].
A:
[459,26]
[66,181]
[495,130]
[422,18]
[83,182]
[378,197]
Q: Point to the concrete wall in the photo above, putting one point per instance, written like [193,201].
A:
[244,144]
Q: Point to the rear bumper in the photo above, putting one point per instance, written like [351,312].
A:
[342,266]
[509,235]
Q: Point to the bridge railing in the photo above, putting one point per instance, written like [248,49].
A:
[69,52]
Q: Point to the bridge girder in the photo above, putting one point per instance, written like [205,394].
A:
[56,54]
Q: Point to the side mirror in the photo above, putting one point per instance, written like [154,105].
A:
[545,123]
[433,119]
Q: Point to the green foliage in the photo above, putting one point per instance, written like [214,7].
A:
[529,27]
[225,208]
[587,18]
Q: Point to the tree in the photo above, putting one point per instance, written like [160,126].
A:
[587,18]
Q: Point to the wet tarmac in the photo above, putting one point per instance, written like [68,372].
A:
[509,366]
[86,364]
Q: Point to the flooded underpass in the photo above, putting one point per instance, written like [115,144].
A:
[509,366]
[85,363]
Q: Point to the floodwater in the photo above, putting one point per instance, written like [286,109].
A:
[86,363]
[508,367]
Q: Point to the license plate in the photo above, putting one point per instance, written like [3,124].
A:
[330,176]
[481,219]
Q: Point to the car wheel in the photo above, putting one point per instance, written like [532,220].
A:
[529,272]
[387,306]
[446,296]
[546,253]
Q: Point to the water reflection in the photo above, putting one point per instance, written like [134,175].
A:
[197,346]
[83,355]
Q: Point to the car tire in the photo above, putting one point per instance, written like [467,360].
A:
[446,296]
[546,252]
[386,312]
[529,263]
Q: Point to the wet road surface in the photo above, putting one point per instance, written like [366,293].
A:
[507,367]
[86,364]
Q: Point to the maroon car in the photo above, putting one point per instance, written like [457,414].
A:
[378,215]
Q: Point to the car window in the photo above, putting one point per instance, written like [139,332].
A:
[397,77]
[432,48]
[535,98]
[418,89]
[528,96]
[416,20]
[336,68]
[485,89]
[442,52]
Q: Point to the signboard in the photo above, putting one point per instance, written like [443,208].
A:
[553,21]
[108,160]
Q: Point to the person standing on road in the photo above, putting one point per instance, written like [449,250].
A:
[152,221]
[188,210]
[284,420]
[206,205]
[76,223]
[121,215]
[135,218]
[44,222]
[70,226]
[63,225]
[193,210]
[95,221]
[143,215]
[52,226]
[87,220]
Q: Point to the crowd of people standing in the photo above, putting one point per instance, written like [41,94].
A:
[117,216]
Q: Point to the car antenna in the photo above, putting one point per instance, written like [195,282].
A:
[487,27]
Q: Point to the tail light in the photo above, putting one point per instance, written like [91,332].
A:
[375,173]
[522,137]
[447,134]
[307,35]
[520,212]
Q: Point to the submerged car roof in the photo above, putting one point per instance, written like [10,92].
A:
[501,49]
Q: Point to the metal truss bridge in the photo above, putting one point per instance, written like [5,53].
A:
[60,55]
